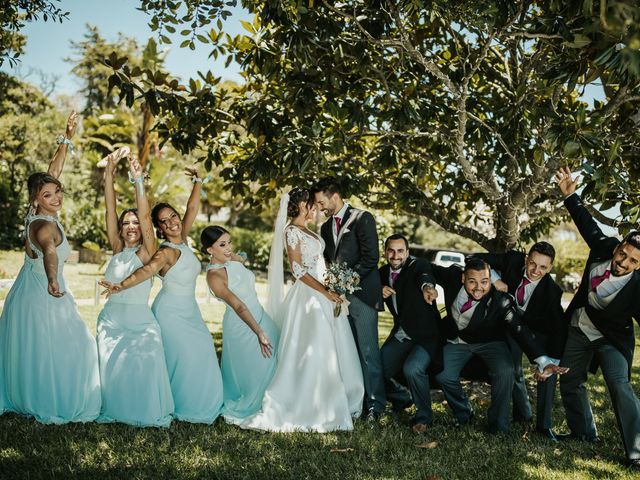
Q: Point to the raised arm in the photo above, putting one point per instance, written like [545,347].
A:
[587,226]
[57,162]
[164,257]
[45,235]
[217,280]
[110,214]
[367,235]
[193,204]
[293,237]
[144,214]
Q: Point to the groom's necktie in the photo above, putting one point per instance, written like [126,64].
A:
[394,277]
[338,220]
[520,291]
[595,281]
[466,305]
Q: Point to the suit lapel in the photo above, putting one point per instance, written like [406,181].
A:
[327,235]
[480,312]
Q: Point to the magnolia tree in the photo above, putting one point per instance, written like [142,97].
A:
[458,111]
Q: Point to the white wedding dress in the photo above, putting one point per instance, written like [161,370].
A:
[317,386]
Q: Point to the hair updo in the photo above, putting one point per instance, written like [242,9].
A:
[211,235]
[155,212]
[296,196]
[37,180]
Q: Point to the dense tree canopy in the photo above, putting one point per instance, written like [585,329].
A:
[458,111]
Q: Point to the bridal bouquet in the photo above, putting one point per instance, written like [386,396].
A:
[342,280]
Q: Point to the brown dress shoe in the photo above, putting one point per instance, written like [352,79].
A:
[419,428]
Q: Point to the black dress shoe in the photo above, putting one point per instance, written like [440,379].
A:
[634,464]
[547,433]
[583,438]
[401,406]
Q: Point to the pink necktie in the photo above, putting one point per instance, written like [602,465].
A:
[394,276]
[466,305]
[520,291]
[595,281]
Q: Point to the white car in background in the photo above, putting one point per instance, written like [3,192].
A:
[441,257]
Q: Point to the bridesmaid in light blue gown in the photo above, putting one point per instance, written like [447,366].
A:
[247,365]
[48,358]
[196,383]
[133,371]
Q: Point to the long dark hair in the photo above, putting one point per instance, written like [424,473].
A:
[156,220]
[210,235]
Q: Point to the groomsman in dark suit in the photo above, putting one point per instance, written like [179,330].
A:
[478,317]
[414,342]
[539,302]
[351,237]
[601,325]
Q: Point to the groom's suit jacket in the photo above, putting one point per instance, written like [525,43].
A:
[357,246]
[615,320]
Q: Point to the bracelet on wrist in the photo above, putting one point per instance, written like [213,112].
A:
[62,140]
[204,180]
[135,180]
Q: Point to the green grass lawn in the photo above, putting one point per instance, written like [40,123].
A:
[29,450]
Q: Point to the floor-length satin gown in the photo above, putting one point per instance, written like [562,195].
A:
[192,363]
[48,357]
[245,372]
[133,370]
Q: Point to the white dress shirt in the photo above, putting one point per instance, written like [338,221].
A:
[340,215]
[599,299]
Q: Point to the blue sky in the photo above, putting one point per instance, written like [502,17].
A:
[48,43]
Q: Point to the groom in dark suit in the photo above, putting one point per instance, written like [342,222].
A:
[414,345]
[538,299]
[600,320]
[351,237]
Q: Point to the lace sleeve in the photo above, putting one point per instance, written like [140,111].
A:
[293,236]
[294,251]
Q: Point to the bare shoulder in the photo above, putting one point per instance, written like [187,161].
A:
[43,230]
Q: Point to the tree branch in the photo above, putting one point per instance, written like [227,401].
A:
[602,218]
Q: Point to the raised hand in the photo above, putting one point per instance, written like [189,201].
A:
[430,294]
[501,286]
[265,345]
[135,168]
[566,183]
[109,287]
[72,123]
[549,370]
[54,289]
[191,172]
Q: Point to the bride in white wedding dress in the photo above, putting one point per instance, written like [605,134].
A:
[317,386]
